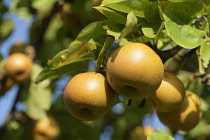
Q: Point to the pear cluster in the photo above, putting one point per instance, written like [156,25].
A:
[136,72]
[176,107]
[133,71]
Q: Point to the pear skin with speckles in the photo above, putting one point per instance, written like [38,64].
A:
[88,96]
[169,95]
[134,71]
[186,116]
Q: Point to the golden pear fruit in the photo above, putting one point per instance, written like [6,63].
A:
[19,67]
[88,96]
[140,133]
[169,95]
[134,71]
[46,129]
[186,116]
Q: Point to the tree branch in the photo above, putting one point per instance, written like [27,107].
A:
[165,55]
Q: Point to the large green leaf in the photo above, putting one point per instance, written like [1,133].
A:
[38,101]
[112,15]
[141,8]
[75,53]
[179,18]
[205,53]
[48,73]
[130,26]
[105,2]
[91,31]
[159,137]
[183,0]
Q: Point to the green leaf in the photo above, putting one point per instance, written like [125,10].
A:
[6,28]
[91,31]
[205,53]
[159,137]
[206,5]
[178,23]
[53,63]
[105,2]
[183,0]
[48,73]
[39,96]
[151,29]
[75,53]
[109,41]
[141,8]
[111,14]
[115,31]
[130,25]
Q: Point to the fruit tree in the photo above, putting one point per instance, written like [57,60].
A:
[105,69]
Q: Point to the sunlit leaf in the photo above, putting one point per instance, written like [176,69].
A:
[130,25]
[205,53]
[178,22]
[105,2]
[183,0]
[75,53]
[141,8]
[48,73]
[159,137]
[56,59]
[112,15]
[91,31]
[150,30]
